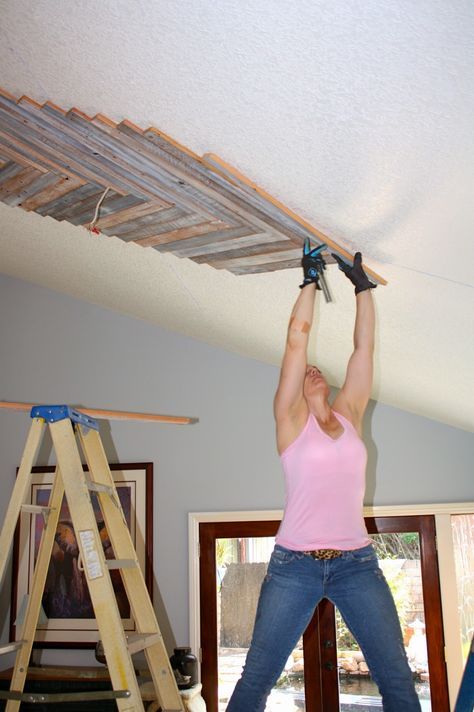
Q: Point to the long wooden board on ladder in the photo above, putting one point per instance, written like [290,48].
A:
[69,427]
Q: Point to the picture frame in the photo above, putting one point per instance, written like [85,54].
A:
[70,619]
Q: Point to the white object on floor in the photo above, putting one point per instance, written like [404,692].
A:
[192,699]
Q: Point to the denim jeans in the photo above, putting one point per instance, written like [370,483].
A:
[291,590]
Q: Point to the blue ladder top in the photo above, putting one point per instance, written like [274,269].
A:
[54,413]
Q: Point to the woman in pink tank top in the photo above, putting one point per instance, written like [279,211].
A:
[322,548]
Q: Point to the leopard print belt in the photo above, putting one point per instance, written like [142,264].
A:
[324,553]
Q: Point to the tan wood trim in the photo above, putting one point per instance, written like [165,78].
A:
[110,414]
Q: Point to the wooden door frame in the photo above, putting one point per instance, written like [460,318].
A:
[322,689]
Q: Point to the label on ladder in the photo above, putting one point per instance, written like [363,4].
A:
[92,560]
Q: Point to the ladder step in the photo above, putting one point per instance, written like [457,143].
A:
[35,697]
[141,641]
[121,563]
[11,647]
[95,487]
[35,509]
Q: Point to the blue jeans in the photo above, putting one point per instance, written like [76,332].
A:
[290,592]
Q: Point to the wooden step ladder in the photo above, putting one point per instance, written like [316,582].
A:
[69,427]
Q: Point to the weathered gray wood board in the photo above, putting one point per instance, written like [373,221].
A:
[161,195]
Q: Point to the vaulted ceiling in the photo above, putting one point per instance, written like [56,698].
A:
[355,119]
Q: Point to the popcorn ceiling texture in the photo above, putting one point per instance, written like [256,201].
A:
[358,116]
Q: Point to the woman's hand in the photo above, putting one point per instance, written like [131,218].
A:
[313,264]
[355,273]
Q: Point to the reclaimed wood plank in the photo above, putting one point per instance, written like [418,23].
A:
[209,241]
[253,189]
[104,142]
[65,158]
[71,115]
[34,130]
[261,208]
[7,95]
[180,234]
[189,184]
[42,181]
[154,219]
[36,153]
[101,119]
[9,170]
[252,260]
[225,243]
[83,211]
[60,186]
[14,185]
[77,130]
[111,204]
[106,138]
[257,269]
[163,226]
[146,165]
[130,214]
[19,156]
[218,189]
[61,205]
[270,250]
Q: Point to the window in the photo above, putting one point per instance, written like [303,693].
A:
[452,521]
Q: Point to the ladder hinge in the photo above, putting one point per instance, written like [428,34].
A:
[54,413]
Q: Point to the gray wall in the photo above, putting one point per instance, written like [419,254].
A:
[56,349]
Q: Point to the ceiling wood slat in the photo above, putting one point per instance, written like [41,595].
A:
[112,220]
[41,181]
[207,244]
[14,190]
[238,238]
[58,163]
[179,234]
[61,185]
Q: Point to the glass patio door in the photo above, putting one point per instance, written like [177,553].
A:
[326,671]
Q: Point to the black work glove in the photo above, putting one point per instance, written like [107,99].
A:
[355,273]
[313,264]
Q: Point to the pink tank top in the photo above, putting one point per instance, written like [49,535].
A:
[325,485]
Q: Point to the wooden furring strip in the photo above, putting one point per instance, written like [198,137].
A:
[110,414]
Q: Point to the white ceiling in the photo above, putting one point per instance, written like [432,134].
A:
[359,116]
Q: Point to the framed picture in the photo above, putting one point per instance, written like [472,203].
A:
[69,620]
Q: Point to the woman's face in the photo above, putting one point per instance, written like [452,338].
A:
[314,383]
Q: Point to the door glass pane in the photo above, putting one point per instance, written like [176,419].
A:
[463,539]
[399,556]
[241,566]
